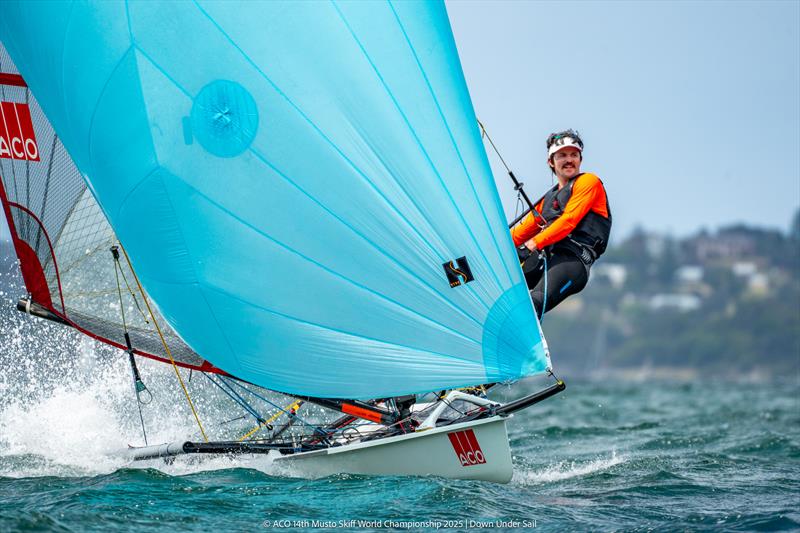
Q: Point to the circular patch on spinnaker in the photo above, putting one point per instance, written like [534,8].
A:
[512,346]
[224,118]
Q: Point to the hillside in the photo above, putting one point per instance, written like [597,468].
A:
[722,304]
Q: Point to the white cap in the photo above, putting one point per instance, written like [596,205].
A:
[561,143]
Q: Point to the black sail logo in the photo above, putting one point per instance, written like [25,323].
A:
[458,272]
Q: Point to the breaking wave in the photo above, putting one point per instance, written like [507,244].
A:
[565,470]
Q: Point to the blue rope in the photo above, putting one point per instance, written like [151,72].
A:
[278,407]
[240,401]
[544,302]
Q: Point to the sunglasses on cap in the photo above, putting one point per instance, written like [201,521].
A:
[564,137]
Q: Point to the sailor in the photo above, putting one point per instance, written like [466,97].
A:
[567,231]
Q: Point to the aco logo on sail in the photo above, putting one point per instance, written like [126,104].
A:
[17,140]
[467,448]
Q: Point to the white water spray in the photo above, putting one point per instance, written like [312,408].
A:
[67,406]
[565,470]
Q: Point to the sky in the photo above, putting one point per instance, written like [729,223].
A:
[690,111]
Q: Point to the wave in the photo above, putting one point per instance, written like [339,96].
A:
[565,470]
[81,422]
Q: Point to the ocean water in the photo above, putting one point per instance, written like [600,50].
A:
[604,455]
[611,456]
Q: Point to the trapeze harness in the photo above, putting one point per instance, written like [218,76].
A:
[570,256]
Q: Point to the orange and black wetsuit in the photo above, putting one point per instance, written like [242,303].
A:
[573,230]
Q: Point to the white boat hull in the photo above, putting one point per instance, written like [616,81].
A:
[469,450]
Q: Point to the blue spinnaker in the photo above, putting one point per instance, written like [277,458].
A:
[290,180]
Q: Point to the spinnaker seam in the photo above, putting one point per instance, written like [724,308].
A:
[342,331]
[328,270]
[267,162]
[452,139]
[419,144]
[333,145]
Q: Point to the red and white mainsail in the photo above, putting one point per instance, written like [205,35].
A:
[61,236]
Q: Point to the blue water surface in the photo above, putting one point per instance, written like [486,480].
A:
[602,456]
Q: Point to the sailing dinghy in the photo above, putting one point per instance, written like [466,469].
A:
[290,199]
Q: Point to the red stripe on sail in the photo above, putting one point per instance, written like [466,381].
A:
[33,274]
[52,253]
[12,79]
[13,146]
[32,271]
[5,139]
[30,147]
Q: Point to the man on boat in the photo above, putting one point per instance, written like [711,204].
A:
[568,229]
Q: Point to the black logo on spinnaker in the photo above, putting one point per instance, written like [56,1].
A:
[459,272]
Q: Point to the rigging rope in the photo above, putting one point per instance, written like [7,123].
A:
[138,385]
[485,133]
[164,343]
[127,285]
[237,399]
[518,186]
[291,408]
[544,300]
[290,414]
